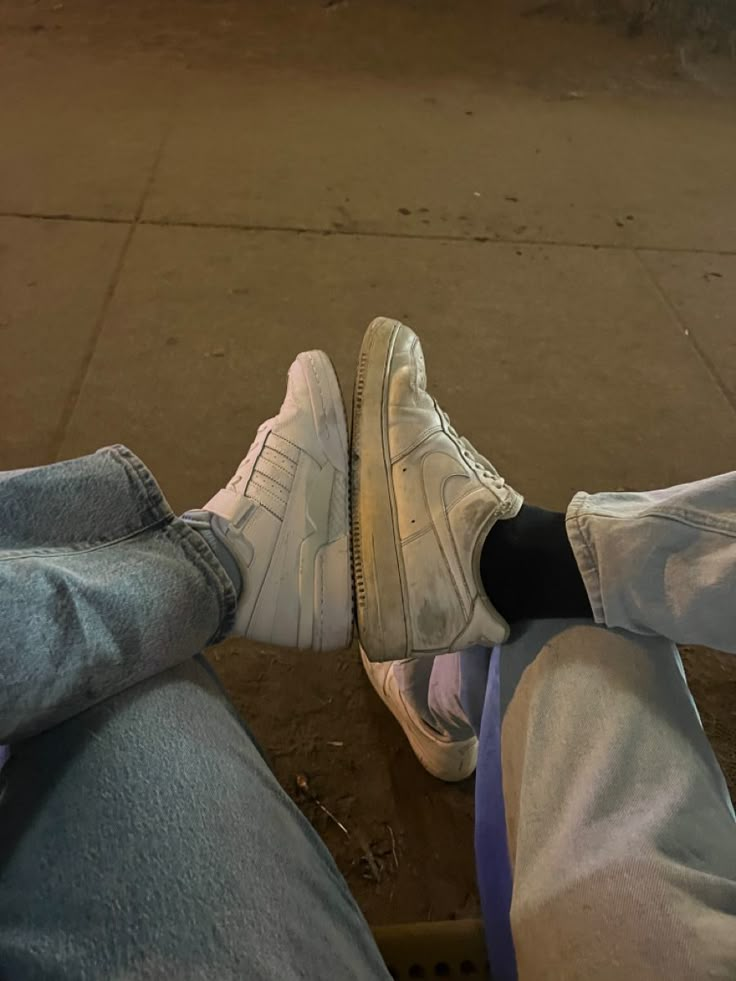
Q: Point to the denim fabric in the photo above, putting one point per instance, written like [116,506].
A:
[142,834]
[100,587]
[146,838]
[620,833]
[596,785]
[663,562]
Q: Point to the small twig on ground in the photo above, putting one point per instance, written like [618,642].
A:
[303,785]
[393,845]
[332,817]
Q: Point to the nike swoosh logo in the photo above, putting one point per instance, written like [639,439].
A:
[437,469]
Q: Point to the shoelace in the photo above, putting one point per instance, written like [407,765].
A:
[468,452]
[249,455]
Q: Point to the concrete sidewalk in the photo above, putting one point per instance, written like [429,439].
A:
[180,215]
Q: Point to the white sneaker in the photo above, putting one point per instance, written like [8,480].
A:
[442,757]
[284,516]
[423,502]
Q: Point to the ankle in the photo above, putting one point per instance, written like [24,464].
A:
[205,523]
[528,568]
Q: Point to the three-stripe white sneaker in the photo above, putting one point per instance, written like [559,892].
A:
[284,517]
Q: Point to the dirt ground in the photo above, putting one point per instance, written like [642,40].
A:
[191,192]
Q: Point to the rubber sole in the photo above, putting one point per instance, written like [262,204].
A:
[332,596]
[447,761]
[377,567]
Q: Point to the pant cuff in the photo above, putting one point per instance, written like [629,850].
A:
[584,551]
[155,509]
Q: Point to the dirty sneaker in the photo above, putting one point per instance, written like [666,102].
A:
[284,518]
[445,758]
[423,503]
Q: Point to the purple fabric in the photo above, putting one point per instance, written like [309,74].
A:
[492,857]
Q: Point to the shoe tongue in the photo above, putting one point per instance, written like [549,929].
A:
[482,460]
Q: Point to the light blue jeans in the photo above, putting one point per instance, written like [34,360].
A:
[142,835]
[605,836]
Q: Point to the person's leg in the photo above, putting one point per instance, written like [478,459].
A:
[659,563]
[146,838]
[529,570]
[600,758]
[605,836]
[101,586]
[143,836]
[446,553]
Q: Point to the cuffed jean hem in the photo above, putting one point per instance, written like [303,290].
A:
[584,554]
[156,511]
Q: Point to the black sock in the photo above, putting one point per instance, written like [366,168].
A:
[528,568]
